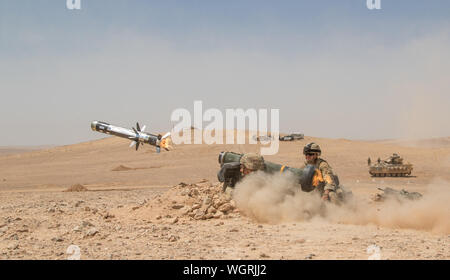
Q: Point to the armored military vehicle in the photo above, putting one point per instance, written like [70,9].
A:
[292,137]
[391,167]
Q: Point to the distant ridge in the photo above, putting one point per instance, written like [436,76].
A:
[11,150]
[439,142]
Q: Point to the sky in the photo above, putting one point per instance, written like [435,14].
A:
[333,68]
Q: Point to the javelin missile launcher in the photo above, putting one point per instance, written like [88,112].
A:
[308,177]
[136,135]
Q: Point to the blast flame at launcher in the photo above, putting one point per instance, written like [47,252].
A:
[136,135]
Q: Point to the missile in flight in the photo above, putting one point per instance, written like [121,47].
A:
[136,135]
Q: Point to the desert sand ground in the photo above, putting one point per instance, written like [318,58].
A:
[132,209]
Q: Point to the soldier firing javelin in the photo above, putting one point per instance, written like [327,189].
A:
[312,152]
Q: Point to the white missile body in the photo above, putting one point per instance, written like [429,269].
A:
[136,135]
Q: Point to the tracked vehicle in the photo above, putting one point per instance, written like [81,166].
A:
[391,167]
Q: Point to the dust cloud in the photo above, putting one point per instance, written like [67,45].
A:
[430,213]
[276,199]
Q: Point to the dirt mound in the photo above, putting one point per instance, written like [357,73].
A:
[126,168]
[199,201]
[122,168]
[76,188]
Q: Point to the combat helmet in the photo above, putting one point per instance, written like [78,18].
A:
[311,148]
[252,161]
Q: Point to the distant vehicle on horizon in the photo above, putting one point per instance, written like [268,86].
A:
[265,138]
[292,137]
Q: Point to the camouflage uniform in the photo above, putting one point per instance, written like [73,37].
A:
[252,162]
[329,189]
[327,174]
